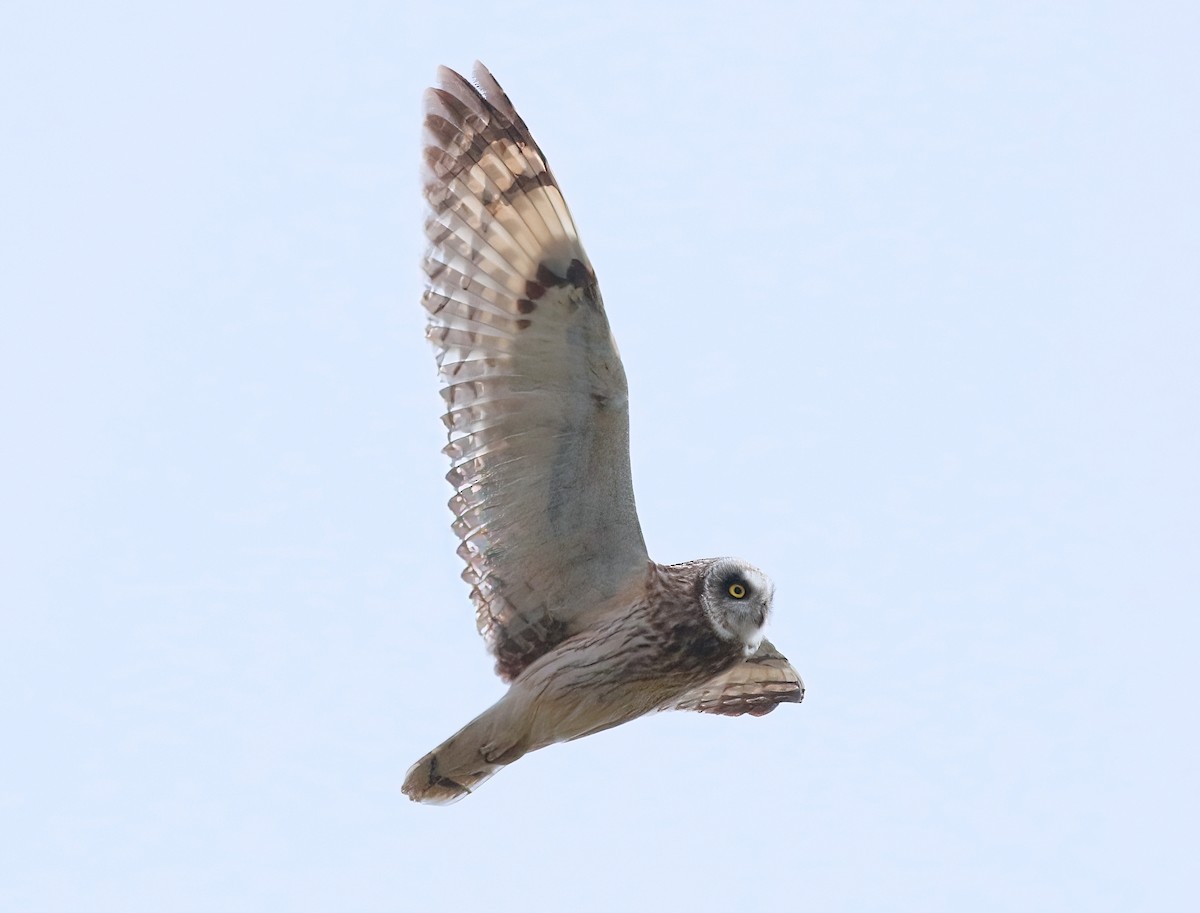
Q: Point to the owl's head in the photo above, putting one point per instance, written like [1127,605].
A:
[737,596]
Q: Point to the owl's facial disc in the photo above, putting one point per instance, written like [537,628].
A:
[737,596]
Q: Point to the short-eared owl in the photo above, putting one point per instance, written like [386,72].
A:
[589,631]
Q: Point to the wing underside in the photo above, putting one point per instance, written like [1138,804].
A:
[534,389]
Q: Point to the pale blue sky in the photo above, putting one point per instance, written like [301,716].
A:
[908,301]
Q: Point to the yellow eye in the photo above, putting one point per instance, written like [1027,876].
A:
[737,591]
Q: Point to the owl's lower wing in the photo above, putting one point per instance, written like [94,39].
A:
[756,686]
[536,396]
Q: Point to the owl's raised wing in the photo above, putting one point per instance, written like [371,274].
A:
[756,685]
[537,402]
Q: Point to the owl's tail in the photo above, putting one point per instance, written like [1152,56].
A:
[543,706]
[460,764]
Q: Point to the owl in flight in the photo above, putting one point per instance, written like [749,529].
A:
[588,631]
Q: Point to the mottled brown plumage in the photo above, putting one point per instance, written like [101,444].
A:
[589,631]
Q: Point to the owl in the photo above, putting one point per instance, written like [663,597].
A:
[586,629]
